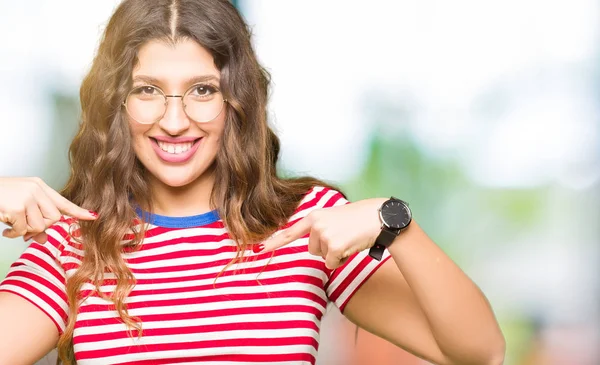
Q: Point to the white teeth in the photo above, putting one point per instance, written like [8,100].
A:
[175,148]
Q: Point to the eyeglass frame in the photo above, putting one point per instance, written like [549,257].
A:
[124,103]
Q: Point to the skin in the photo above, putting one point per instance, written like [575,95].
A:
[400,302]
[419,300]
[174,185]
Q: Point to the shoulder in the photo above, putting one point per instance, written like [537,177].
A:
[47,258]
[62,235]
[320,197]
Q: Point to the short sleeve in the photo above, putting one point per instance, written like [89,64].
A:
[347,279]
[38,277]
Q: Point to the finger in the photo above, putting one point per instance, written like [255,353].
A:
[40,237]
[35,220]
[337,257]
[48,208]
[298,230]
[18,223]
[333,261]
[343,261]
[315,246]
[66,207]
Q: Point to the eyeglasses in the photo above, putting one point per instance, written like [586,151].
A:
[147,104]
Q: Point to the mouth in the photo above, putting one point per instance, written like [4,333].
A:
[175,151]
[175,148]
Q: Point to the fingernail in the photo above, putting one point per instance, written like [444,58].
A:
[258,248]
[76,233]
[94,214]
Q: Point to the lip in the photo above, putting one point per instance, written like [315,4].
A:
[175,158]
[168,139]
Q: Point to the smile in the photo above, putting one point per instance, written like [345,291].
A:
[175,148]
[175,151]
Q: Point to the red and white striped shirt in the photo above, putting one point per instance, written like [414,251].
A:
[266,310]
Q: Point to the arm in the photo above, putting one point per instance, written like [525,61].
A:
[27,334]
[28,331]
[421,301]
[29,206]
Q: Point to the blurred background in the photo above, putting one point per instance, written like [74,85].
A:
[484,115]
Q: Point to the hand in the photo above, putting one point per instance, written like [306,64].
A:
[335,233]
[29,206]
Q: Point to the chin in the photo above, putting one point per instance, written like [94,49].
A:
[179,176]
[174,181]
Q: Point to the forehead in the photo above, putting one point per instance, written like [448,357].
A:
[170,62]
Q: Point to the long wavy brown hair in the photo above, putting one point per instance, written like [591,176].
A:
[107,177]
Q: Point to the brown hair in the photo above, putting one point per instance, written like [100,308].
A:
[106,176]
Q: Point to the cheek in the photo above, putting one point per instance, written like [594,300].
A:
[215,132]
[138,138]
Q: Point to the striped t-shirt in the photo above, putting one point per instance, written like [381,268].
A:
[266,310]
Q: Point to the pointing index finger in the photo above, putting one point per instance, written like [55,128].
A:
[298,230]
[67,207]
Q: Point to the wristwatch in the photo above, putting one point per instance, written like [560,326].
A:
[395,216]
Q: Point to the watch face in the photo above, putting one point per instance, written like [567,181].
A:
[395,214]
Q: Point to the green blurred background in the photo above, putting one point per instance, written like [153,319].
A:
[483,115]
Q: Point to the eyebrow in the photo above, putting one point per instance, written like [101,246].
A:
[190,81]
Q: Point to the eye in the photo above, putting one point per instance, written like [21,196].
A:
[145,90]
[203,90]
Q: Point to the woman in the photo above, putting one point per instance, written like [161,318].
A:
[195,251]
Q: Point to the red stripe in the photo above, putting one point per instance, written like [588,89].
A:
[87,308]
[196,256]
[52,242]
[17,274]
[342,306]
[334,199]
[60,229]
[38,294]
[306,279]
[155,231]
[60,331]
[67,266]
[315,263]
[318,313]
[188,345]
[195,252]
[249,326]
[336,272]
[231,358]
[197,239]
[312,202]
[350,277]
[43,265]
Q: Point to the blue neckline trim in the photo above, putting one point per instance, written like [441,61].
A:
[179,222]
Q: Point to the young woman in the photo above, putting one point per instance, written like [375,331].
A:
[195,251]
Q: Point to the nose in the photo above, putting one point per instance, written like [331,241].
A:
[175,122]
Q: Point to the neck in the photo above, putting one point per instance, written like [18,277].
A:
[182,201]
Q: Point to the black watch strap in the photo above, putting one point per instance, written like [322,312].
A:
[383,241]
